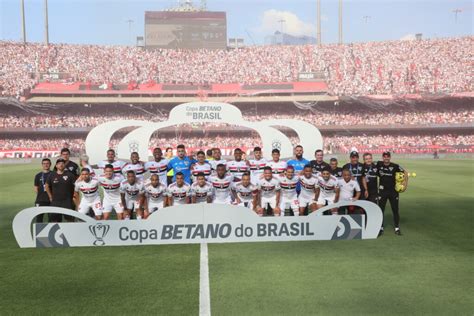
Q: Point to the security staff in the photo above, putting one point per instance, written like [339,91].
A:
[41,178]
[387,172]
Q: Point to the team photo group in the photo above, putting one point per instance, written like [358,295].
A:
[296,187]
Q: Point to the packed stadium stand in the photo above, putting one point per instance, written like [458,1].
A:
[436,66]
[403,96]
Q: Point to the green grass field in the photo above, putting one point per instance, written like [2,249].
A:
[428,270]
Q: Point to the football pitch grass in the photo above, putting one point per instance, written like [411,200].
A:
[428,270]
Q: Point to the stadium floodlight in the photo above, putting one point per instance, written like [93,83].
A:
[46,26]
[340,21]
[23,27]
[282,21]
[318,22]
[456,12]
[130,21]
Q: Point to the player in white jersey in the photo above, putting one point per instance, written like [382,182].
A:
[89,188]
[349,189]
[117,164]
[159,166]
[136,166]
[245,193]
[221,183]
[308,186]
[155,196]
[328,190]
[179,192]
[217,155]
[238,166]
[110,183]
[269,193]
[201,190]
[289,196]
[132,195]
[256,165]
[278,166]
[201,166]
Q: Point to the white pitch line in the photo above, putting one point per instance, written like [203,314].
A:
[204,290]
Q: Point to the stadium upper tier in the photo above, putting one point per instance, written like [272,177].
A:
[358,117]
[376,68]
[378,143]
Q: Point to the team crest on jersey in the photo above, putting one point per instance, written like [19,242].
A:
[391,168]
[65,178]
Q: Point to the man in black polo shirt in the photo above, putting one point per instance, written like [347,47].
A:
[387,171]
[60,189]
[356,169]
[318,164]
[334,169]
[41,178]
[69,165]
[370,179]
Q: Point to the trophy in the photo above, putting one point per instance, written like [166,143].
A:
[99,231]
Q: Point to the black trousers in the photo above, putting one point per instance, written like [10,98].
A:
[392,197]
[56,218]
[39,218]
[373,197]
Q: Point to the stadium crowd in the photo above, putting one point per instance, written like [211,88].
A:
[345,118]
[390,67]
[333,144]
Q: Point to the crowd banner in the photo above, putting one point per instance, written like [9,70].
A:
[195,223]
[200,113]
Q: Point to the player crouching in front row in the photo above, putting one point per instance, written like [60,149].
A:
[327,191]
[269,196]
[132,195]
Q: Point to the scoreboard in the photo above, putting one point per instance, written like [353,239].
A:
[189,30]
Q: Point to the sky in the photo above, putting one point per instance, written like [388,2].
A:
[104,22]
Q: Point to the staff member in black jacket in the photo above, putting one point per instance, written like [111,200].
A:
[387,172]
[60,189]
[69,165]
[41,178]
[356,168]
[369,179]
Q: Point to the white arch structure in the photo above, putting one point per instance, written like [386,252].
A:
[200,112]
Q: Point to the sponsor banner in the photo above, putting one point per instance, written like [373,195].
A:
[200,112]
[195,223]
[311,76]
[25,153]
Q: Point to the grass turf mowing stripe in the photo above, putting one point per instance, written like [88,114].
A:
[204,291]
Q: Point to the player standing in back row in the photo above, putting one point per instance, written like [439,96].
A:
[278,166]
[256,165]
[158,166]
[387,172]
[238,166]
[221,183]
